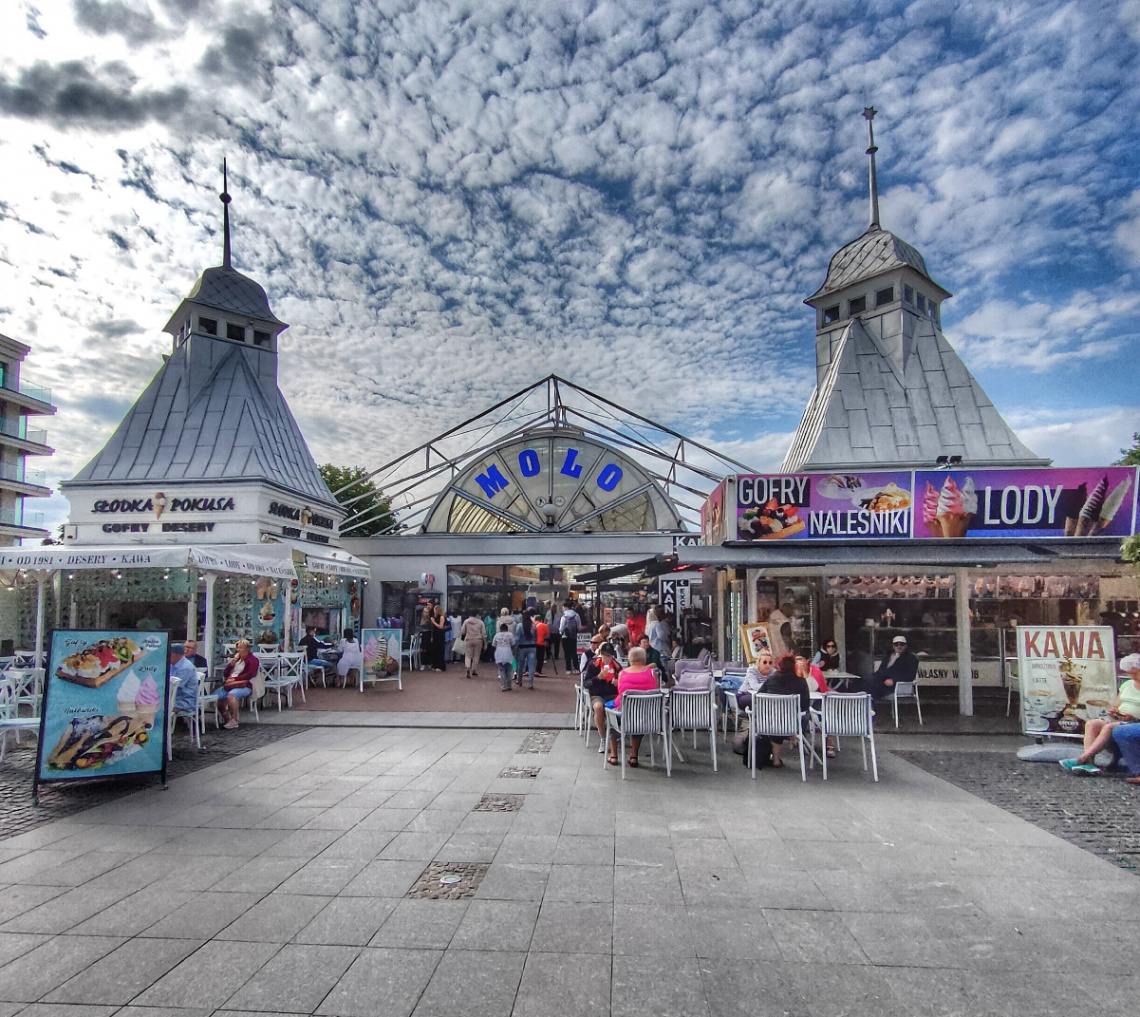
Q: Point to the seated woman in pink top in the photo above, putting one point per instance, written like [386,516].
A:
[638,677]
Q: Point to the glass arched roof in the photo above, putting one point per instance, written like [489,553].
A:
[553,480]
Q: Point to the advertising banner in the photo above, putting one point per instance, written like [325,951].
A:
[104,707]
[802,506]
[713,529]
[1067,676]
[268,611]
[382,661]
[1095,501]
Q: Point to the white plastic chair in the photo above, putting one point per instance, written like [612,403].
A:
[173,715]
[413,652]
[905,690]
[696,711]
[641,714]
[775,716]
[846,715]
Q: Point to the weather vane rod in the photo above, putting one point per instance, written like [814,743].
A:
[872,148]
[225,196]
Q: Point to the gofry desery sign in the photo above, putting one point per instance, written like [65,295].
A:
[924,505]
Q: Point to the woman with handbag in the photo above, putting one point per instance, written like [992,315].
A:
[237,682]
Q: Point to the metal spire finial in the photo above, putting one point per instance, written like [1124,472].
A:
[869,115]
[225,196]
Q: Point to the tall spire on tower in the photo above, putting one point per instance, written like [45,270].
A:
[225,196]
[869,115]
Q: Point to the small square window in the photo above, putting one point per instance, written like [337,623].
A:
[921,304]
[930,308]
[208,325]
[858,305]
[884,296]
[261,338]
[830,314]
[908,294]
[235,332]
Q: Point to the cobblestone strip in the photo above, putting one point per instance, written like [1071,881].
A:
[539,741]
[1099,814]
[520,771]
[500,803]
[449,881]
[18,815]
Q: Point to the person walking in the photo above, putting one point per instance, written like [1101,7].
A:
[472,634]
[568,628]
[504,644]
[542,636]
[527,642]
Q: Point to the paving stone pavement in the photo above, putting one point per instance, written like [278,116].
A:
[276,882]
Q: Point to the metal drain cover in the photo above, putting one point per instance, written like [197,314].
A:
[539,741]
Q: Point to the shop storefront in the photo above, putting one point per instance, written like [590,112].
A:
[954,560]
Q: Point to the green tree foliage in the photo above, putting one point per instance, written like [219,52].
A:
[373,505]
[1131,456]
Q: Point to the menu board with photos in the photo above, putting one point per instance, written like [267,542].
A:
[1067,677]
[104,706]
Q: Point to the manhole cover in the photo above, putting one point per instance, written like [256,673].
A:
[449,881]
[500,803]
[539,741]
[519,771]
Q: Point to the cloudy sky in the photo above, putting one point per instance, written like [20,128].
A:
[450,200]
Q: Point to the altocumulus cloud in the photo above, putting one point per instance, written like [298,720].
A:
[449,200]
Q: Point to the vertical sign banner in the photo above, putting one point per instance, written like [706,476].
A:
[104,707]
[381,648]
[1067,675]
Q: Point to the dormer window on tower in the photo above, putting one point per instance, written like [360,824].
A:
[209,326]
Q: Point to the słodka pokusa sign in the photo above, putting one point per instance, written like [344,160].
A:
[928,504]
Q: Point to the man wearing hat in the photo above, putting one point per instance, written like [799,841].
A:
[900,666]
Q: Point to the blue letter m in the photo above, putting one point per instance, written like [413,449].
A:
[492,481]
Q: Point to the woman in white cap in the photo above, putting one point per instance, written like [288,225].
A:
[1125,709]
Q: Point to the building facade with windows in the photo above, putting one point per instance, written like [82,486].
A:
[19,400]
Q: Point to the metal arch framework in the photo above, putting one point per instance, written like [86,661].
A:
[685,469]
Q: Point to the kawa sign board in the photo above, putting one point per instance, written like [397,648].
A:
[1067,676]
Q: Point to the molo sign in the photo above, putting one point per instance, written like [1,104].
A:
[491,481]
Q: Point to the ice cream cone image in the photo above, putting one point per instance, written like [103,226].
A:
[955,509]
[159,504]
[127,694]
[147,701]
[1111,506]
[930,510]
[1070,526]
[1073,502]
[1071,681]
[1091,510]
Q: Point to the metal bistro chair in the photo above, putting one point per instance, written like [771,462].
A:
[641,714]
[412,652]
[846,715]
[775,717]
[696,711]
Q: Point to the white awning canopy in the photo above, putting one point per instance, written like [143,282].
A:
[327,560]
[273,560]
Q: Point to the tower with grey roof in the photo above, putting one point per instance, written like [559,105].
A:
[212,425]
[890,390]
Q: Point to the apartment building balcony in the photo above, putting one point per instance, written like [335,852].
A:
[29,396]
[15,433]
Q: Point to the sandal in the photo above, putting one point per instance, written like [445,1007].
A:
[1132,780]
[632,761]
[831,753]
[612,761]
[777,763]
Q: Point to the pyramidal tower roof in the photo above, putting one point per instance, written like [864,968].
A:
[213,412]
[890,389]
